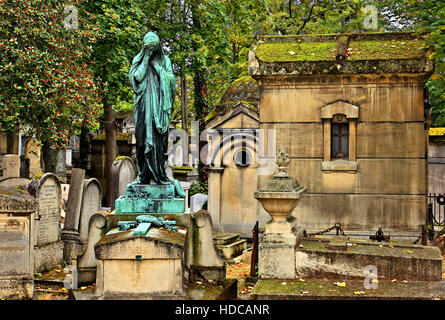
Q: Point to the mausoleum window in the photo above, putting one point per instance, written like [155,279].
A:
[339,138]
[339,135]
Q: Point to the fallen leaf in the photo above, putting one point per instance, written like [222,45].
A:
[394,280]
[340,284]
[305,292]
[405,281]
[375,280]
[390,246]
[283,283]
[409,251]
[291,53]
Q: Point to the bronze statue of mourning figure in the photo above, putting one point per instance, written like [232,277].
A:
[153,83]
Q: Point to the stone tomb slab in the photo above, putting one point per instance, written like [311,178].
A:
[147,266]
[317,258]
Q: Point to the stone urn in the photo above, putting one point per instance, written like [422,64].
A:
[280,196]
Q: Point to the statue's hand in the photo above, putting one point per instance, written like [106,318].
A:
[156,64]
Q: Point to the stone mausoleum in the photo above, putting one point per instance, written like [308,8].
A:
[349,108]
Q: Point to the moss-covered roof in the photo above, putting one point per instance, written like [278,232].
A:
[341,53]
[244,89]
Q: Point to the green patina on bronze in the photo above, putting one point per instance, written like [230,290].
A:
[154,85]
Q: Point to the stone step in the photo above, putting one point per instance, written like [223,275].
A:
[225,238]
[233,249]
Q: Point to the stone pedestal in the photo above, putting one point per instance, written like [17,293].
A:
[150,199]
[276,256]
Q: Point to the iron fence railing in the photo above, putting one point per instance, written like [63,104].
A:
[437,202]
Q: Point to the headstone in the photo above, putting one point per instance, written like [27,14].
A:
[87,263]
[48,195]
[197,201]
[70,232]
[17,214]
[91,204]
[11,166]
[201,257]
[74,203]
[123,172]
[49,247]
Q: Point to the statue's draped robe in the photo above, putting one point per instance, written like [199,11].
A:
[153,100]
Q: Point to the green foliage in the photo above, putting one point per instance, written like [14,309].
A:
[37,275]
[46,85]
[429,16]
[201,187]
[121,26]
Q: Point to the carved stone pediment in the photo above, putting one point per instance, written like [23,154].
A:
[339,107]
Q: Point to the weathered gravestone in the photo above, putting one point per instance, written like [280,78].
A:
[49,247]
[91,204]
[70,232]
[123,172]
[197,202]
[17,214]
[201,257]
[11,166]
[76,228]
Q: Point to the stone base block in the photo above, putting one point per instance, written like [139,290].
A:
[212,274]
[48,256]
[173,205]
[16,289]
[233,249]
[86,275]
[278,227]
[276,256]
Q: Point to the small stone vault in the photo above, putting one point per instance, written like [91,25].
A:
[233,138]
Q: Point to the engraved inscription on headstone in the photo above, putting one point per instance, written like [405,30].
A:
[48,195]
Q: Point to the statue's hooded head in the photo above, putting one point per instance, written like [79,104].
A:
[152,43]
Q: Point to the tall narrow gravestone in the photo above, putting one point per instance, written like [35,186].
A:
[70,232]
[49,247]
[17,213]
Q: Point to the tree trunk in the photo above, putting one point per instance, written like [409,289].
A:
[184,118]
[110,143]
[54,160]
